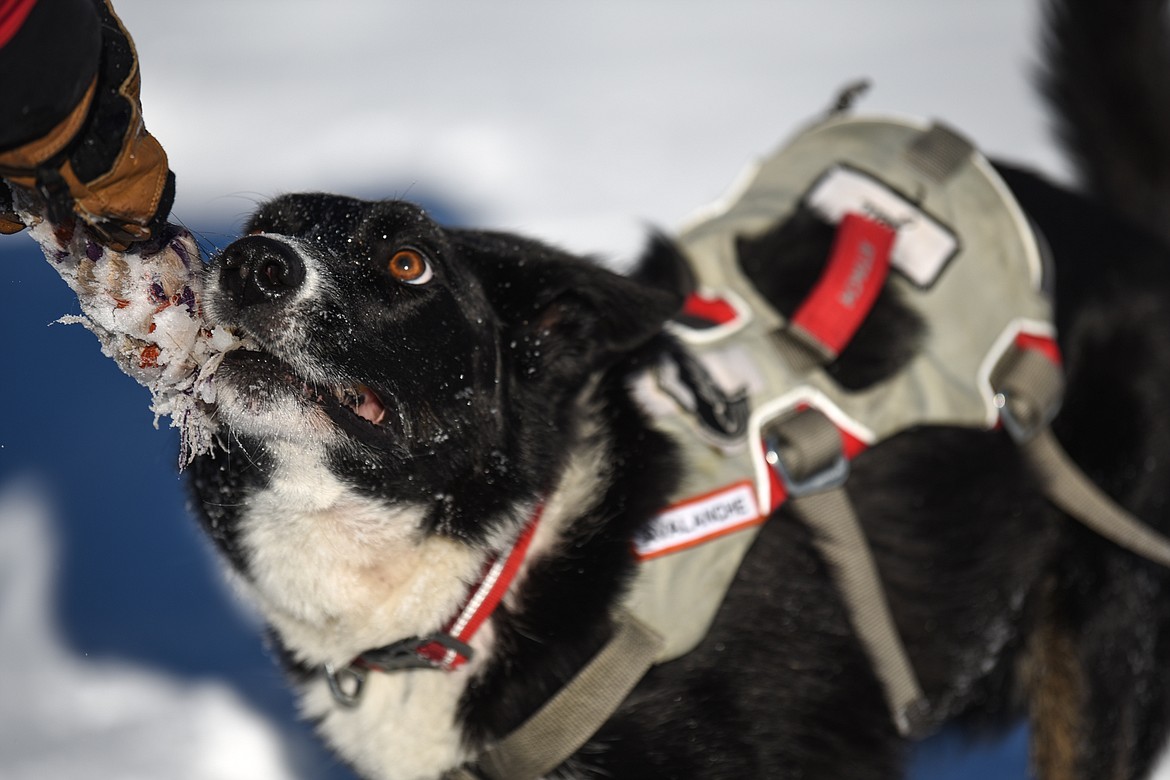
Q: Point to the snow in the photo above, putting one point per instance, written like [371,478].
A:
[579,123]
[64,716]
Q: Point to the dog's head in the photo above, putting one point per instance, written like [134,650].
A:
[427,364]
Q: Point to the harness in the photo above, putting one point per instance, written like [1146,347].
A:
[763,424]
[916,209]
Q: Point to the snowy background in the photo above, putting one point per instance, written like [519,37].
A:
[122,652]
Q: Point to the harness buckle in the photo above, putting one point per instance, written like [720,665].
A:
[1028,389]
[1019,418]
[804,450]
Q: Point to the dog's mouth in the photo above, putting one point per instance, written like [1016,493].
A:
[362,401]
[355,407]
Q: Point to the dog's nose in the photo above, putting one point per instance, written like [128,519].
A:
[259,269]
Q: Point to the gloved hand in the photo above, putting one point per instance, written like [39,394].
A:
[99,163]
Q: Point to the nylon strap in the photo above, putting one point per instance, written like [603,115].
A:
[1067,486]
[1029,385]
[801,355]
[939,152]
[841,542]
[848,287]
[567,720]
[804,444]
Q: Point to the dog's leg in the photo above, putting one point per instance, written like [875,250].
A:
[1055,686]
[1121,637]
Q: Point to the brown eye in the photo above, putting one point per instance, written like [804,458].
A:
[409,266]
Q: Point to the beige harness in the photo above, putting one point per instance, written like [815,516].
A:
[763,424]
[964,258]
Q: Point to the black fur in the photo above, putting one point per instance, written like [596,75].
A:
[1105,70]
[1006,606]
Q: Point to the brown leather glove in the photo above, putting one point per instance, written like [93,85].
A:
[98,163]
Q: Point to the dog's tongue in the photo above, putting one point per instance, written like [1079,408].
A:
[370,406]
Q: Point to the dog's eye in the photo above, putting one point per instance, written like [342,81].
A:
[407,265]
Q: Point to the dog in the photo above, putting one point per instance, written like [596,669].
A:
[426,401]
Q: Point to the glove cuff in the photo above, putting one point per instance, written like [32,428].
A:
[18,165]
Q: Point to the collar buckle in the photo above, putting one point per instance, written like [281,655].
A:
[346,684]
[446,650]
[433,651]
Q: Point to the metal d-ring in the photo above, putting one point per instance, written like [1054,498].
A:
[346,684]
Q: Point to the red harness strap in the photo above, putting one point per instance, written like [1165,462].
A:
[854,275]
[1045,345]
[701,312]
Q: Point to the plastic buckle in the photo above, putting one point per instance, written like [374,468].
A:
[831,476]
[1019,429]
[1028,386]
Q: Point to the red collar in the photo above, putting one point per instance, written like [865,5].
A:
[481,603]
[450,648]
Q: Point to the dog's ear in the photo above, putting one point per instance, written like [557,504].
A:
[561,314]
[597,310]
[664,266]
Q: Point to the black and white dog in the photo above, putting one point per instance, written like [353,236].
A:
[422,393]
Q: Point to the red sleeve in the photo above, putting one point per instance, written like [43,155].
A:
[49,54]
[12,16]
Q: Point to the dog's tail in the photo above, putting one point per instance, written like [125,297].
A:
[1107,76]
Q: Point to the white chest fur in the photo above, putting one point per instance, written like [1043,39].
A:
[405,726]
[336,573]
